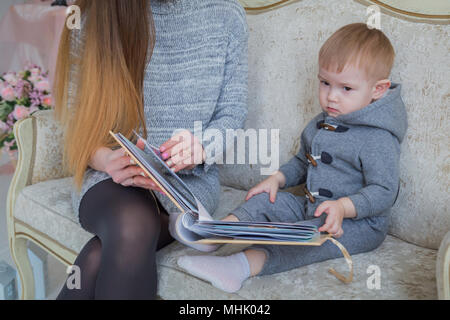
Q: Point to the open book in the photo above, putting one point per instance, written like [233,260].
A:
[194,224]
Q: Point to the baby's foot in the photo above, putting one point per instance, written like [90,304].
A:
[226,273]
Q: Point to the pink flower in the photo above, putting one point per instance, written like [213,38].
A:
[7,147]
[3,127]
[34,78]
[20,112]
[47,100]
[8,94]
[11,78]
[43,86]
[35,71]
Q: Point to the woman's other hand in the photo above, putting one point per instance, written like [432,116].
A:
[123,170]
[182,151]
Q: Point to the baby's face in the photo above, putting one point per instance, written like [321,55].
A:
[345,92]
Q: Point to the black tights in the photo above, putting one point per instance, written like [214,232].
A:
[119,261]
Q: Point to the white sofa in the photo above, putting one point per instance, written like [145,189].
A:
[414,260]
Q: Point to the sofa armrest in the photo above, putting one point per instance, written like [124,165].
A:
[39,142]
[443,268]
[47,135]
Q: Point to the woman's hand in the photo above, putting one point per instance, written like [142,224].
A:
[336,212]
[124,171]
[182,151]
[269,185]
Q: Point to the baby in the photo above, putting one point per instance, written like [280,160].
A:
[348,160]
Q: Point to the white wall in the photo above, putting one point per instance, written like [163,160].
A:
[5,4]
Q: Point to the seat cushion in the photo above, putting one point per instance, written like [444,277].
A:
[406,270]
[47,207]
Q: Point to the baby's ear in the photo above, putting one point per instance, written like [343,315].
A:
[380,88]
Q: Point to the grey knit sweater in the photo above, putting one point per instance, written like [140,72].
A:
[355,155]
[198,72]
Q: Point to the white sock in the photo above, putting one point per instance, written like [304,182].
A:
[226,273]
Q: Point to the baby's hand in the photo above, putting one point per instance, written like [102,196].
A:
[335,211]
[269,185]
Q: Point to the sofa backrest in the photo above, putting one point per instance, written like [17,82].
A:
[283,94]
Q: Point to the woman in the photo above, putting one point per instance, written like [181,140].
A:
[156,67]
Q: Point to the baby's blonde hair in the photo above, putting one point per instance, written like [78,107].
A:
[356,44]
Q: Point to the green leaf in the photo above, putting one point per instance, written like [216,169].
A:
[3,107]
[11,104]
[21,101]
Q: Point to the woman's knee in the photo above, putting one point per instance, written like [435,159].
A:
[115,212]
[137,223]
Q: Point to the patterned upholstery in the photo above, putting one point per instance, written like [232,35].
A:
[46,206]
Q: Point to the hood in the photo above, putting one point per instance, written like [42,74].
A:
[387,113]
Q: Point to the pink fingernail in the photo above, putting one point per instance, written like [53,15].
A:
[165,155]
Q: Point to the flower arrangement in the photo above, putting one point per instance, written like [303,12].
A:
[21,94]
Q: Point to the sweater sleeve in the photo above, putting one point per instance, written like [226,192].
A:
[380,166]
[231,108]
[296,168]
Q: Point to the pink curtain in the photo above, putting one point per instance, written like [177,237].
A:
[30,33]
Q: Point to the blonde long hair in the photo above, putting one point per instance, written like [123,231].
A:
[118,43]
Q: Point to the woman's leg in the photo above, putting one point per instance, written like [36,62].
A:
[89,261]
[130,229]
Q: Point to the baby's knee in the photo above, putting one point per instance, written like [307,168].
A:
[260,199]
[281,199]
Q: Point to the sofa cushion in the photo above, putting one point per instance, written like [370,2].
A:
[47,207]
[406,271]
